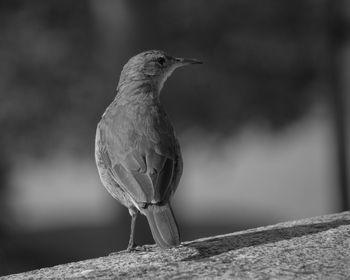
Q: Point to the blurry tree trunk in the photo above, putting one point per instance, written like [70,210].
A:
[4,172]
[337,32]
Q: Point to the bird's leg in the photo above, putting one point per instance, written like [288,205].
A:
[132,244]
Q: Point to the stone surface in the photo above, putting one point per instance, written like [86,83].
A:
[315,248]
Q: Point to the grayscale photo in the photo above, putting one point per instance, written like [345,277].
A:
[174,139]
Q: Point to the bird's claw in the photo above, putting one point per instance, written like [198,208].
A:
[139,248]
[132,247]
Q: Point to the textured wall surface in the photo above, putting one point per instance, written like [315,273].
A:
[314,248]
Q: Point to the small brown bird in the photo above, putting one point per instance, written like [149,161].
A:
[137,154]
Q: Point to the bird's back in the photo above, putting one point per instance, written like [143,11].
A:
[137,149]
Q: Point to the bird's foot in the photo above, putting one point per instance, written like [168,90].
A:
[139,248]
[132,247]
[145,248]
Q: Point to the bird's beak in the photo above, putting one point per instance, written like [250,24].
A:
[186,61]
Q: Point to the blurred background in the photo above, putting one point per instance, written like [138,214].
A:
[263,123]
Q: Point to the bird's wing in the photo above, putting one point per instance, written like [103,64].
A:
[145,161]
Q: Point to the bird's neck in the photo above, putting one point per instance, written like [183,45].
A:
[130,89]
[138,84]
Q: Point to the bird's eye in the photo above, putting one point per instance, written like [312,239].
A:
[161,60]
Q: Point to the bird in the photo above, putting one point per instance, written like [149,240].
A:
[137,153]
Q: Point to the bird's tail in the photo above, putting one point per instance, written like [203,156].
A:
[163,225]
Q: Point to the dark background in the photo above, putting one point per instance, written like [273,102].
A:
[262,123]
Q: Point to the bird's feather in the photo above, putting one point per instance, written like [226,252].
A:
[140,151]
[163,225]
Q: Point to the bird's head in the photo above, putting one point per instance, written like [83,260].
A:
[154,66]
